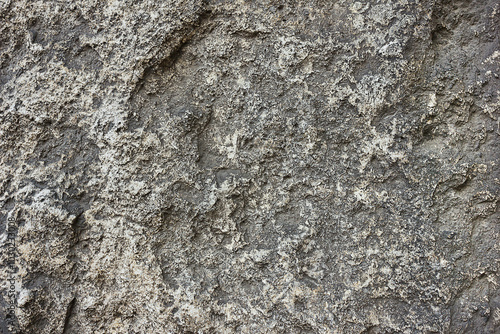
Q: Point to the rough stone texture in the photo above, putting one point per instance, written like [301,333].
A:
[251,166]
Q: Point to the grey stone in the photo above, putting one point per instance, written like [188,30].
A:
[250,166]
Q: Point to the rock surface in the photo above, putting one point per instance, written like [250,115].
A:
[266,166]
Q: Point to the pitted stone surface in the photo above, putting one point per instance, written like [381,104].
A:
[251,166]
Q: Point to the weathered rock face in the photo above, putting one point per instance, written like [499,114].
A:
[250,166]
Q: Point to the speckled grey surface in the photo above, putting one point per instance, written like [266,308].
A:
[251,166]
